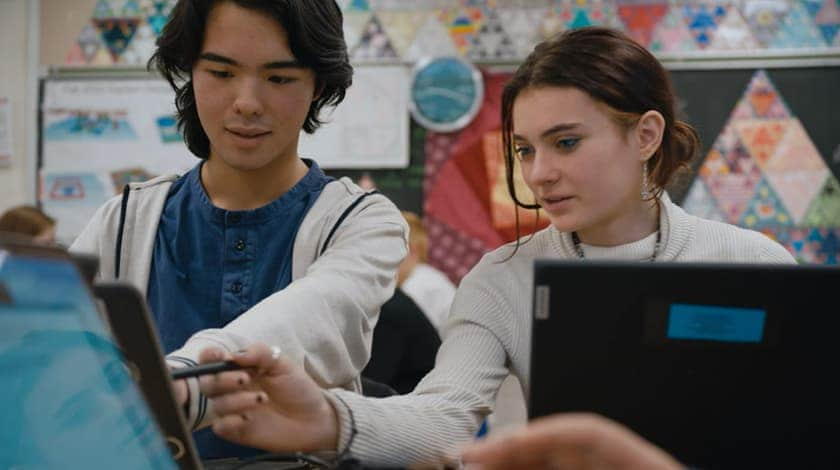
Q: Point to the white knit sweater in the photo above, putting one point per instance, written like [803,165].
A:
[488,337]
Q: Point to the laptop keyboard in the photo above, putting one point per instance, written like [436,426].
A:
[230,464]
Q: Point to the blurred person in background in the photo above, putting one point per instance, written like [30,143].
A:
[429,288]
[29,221]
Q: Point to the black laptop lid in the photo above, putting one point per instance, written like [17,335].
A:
[132,327]
[88,265]
[66,398]
[724,366]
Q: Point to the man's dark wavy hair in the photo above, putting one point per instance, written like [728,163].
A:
[316,38]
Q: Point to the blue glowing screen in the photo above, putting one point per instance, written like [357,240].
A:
[66,398]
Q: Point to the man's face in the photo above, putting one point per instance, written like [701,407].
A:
[252,95]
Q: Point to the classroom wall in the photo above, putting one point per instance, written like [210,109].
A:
[59,22]
[14,85]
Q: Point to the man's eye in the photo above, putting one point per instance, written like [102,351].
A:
[280,80]
[220,73]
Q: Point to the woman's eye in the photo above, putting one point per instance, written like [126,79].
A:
[567,143]
[220,73]
[522,151]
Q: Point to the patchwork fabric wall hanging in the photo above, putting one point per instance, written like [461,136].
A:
[467,210]
[504,30]
[763,172]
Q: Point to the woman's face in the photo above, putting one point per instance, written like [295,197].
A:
[583,168]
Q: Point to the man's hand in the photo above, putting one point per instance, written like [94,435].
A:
[570,441]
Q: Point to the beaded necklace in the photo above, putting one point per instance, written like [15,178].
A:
[656,247]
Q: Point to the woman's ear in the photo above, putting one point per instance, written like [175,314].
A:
[649,132]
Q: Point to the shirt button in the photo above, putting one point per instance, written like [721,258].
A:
[239,245]
[236,287]
[235,218]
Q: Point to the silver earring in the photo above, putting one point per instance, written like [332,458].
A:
[645,191]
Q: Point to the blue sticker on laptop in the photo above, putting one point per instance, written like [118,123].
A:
[716,323]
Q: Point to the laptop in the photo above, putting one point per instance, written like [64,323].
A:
[66,397]
[88,265]
[131,324]
[723,366]
[79,389]
[133,331]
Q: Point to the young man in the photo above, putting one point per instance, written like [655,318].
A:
[254,243]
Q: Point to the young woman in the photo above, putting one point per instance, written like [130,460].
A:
[589,118]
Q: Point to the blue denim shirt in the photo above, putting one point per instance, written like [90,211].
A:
[210,265]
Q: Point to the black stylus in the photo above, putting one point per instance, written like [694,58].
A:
[204,369]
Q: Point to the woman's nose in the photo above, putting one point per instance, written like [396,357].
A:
[543,168]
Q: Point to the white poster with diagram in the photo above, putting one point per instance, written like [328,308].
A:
[370,128]
[99,134]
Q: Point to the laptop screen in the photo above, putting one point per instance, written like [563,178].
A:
[66,398]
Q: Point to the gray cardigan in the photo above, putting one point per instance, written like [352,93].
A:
[323,320]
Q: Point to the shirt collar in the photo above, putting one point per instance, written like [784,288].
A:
[313,181]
